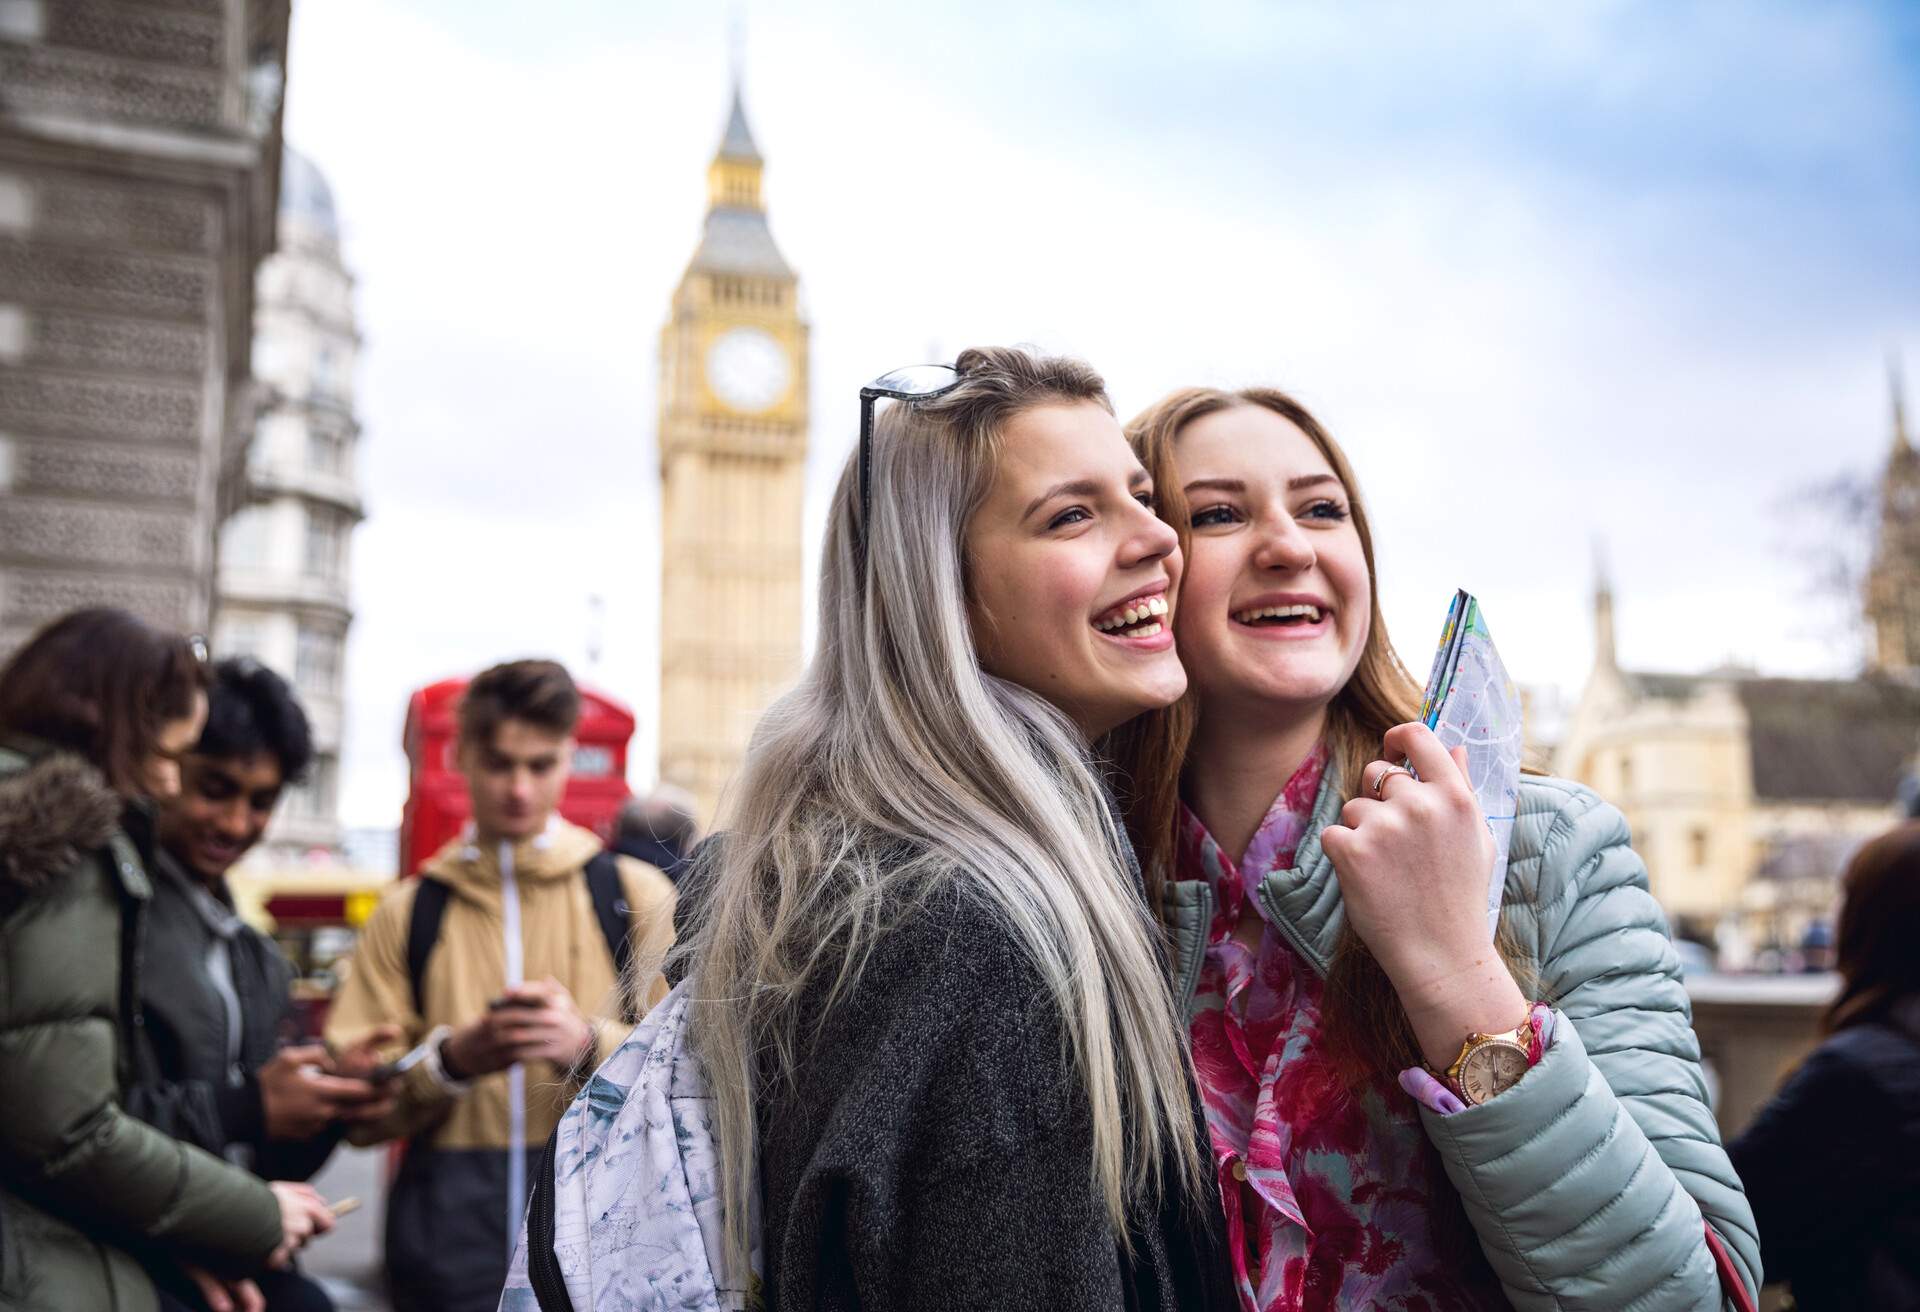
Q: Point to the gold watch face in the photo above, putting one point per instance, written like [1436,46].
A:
[1489,1069]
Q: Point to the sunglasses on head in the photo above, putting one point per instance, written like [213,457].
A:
[916,382]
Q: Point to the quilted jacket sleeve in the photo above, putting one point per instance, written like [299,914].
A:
[1588,1181]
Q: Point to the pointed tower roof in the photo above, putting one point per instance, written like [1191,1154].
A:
[1605,654]
[738,142]
[736,238]
[1897,385]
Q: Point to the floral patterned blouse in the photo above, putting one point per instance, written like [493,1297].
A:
[1326,1189]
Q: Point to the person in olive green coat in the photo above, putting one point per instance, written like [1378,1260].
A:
[93,711]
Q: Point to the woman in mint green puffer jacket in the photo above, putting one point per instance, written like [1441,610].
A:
[1387,1083]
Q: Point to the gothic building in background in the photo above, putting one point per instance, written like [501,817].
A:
[733,443]
[139,162]
[1746,793]
[284,552]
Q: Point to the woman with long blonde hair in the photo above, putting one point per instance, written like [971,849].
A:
[1406,1110]
[928,991]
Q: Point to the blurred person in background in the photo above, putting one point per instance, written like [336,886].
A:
[1391,1091]
[96,712]
[501,964]
[1832,1164]
[216,993]
[659,829]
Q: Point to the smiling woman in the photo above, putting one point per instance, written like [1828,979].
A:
[97,1207]
[926,988]
[1070,572]
[1405,1111]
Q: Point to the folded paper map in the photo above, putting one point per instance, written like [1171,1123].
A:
[1471,702]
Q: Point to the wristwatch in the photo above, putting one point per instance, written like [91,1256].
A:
[1491,1063]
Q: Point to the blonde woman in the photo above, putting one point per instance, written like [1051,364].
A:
[930,992]
[1404,1113]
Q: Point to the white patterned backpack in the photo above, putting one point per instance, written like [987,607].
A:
[625,1214]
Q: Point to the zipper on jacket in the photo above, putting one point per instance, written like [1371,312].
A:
[516,1073]
[543,1264]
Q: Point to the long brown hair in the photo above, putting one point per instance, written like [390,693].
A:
[101,683]
[1879,922]
[1364,1024]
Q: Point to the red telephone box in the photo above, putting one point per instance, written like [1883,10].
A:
[437,805]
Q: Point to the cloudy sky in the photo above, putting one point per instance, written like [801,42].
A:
[1551,273]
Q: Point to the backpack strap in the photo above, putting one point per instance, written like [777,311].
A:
[611,909]
[423,928]
[549,1282]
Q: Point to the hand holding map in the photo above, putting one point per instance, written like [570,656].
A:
[1470,702]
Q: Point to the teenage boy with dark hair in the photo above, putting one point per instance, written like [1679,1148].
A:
[216,994]
[502,964]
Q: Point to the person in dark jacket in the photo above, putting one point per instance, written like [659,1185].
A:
[217,998]
[659,829]
[925,985]
[95,711]
[1832,1164]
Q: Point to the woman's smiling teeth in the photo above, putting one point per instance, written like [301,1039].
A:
[1278,615]
[1139,618]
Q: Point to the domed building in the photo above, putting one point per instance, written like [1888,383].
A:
[284,553]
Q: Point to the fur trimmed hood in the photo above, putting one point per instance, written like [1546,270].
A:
[52,809]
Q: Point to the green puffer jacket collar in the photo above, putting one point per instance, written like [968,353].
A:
[1593,1182]
[86,1190]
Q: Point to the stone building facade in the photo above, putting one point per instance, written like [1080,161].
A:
[1746,794]
[139,161]
[284,553]
[733,444]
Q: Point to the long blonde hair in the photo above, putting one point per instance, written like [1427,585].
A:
[897,770]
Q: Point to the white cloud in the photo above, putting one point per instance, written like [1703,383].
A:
[1546,275]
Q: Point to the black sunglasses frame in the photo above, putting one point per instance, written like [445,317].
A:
[869,394]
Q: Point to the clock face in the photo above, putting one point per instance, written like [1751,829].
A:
[747,369]
[1491,1068]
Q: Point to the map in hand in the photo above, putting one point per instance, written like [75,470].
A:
[1471,702]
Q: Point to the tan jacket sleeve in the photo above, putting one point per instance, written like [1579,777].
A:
[375,992]
[651,895]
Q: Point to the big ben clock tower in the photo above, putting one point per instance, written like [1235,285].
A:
[733,441]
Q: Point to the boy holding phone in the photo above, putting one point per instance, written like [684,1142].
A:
[498,966]
[216,1000]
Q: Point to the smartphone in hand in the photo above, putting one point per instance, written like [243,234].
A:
[393,1070]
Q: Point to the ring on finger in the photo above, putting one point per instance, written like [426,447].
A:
[1380,780]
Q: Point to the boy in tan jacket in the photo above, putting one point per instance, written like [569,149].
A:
[497,966]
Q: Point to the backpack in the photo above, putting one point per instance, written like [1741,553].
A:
[625,1214]
[610,909]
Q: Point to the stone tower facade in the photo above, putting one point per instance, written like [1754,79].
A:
[139,159]
[733,443]
[1893,581]
[284,554]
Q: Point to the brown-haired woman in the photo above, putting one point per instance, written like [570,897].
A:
[1383,1083]
[1832,1164]
[95,711]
